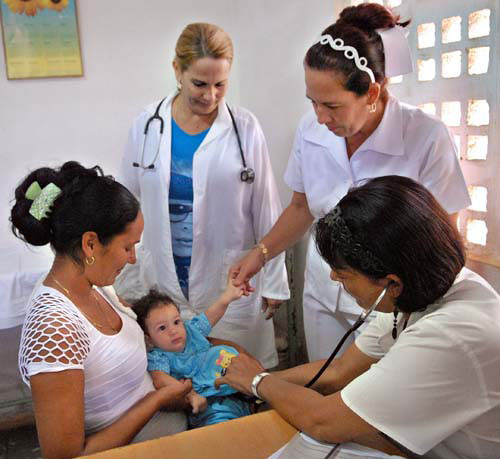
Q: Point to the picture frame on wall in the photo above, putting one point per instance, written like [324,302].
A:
[40,38]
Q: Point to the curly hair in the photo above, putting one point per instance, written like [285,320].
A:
[152,300]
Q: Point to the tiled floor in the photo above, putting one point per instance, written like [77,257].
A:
[21,443]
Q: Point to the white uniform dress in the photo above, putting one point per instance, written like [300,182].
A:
[436,389]
[407,142]
[229,217]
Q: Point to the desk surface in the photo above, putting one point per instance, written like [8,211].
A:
[252,437]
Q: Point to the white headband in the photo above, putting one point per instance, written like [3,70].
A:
[396,51]
[349,52]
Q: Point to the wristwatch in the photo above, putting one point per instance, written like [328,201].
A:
[256,381]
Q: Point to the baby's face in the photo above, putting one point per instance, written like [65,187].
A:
[166,329]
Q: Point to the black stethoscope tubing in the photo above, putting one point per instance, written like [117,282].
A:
[247,174]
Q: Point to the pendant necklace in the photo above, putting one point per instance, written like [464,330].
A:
[92,321]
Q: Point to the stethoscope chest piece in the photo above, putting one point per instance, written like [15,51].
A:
[247,175]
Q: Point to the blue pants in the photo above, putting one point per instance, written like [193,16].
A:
[220,409]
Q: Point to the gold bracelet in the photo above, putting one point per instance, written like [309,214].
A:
[263,250]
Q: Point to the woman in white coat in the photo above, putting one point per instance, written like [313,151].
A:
[205,202]
[357,131]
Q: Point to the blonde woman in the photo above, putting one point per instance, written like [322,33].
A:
[201,171]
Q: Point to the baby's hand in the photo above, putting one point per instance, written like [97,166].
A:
[198,402]
[234,292]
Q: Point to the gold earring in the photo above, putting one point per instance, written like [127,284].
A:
[372,108]
[90,260]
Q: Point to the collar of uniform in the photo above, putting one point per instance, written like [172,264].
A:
[387,138]
[317,133]
[221,123]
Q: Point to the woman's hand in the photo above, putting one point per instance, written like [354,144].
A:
[173,396]
[240,372]
[242,271]
[270,306]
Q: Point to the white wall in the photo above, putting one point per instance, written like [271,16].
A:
[127,49]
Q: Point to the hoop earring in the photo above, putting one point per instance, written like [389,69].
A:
[89,261]
[372,108]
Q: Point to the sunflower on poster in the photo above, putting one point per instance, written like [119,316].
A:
[57,5]
[28,7]
[31,7]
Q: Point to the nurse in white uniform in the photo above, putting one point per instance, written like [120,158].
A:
[203,176]
[356,131]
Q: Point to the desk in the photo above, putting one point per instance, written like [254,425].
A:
[252,437]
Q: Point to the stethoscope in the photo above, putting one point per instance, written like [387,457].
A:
[359,321]
[247,174]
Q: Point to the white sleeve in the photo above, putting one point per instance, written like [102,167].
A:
[53,338]
[441,173]
[369,341]
[426,388]
[293,173]
[266,209]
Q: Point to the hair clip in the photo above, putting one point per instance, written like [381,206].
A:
[349,52]
[43,199]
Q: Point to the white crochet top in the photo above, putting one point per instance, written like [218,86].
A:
[56,336]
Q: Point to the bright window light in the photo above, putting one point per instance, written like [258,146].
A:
[479,60]
[450,29]
[393,3]
[478,113]
[476,231]
[451,113]
[477,147]
[426,35]
[429,108]
[451,64]
[479,198]
[479,23]
[426,69]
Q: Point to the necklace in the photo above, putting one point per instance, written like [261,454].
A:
[92,321]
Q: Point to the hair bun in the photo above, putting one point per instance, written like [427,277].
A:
[368,17]
[24,225]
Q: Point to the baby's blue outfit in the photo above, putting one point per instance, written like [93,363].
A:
[202,363]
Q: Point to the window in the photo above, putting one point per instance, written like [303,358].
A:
[455,78]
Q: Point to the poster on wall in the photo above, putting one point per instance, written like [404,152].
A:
[40,38]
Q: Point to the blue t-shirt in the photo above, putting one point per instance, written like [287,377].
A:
[199,361]
[180,203]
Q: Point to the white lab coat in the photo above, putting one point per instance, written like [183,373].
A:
[229,217]
[407,142]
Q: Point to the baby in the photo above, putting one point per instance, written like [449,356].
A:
[181,350]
